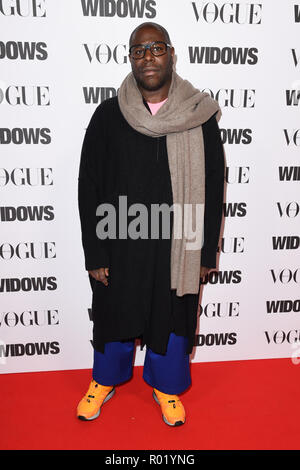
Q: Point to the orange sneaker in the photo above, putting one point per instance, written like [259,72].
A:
[173,412]
[89,406]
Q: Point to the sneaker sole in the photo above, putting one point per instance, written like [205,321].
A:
[108,397]
[178,423]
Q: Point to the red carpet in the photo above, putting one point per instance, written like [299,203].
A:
[249,405]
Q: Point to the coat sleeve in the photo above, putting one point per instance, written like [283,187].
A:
[90,190]
[214,189]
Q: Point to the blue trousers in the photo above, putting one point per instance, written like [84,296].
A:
[168,373]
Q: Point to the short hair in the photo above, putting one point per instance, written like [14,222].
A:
[152,25]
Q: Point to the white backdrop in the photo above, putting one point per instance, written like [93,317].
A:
[57,63]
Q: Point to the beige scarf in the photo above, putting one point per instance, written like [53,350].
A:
[180,119]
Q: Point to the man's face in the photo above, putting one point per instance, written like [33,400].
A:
[151,72]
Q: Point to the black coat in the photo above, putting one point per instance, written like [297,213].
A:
[138,302]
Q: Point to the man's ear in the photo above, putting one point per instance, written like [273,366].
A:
[130,59]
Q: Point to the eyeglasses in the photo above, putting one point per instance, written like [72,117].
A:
[157,48]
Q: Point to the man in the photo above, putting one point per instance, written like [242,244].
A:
[157,143]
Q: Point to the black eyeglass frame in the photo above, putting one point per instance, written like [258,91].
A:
[148,46]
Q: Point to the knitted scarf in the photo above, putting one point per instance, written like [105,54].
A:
[180,119]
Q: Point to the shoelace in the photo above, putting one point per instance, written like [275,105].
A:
[91,396]
[95,385]
[172,400]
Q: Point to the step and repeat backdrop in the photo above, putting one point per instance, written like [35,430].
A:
[59,60]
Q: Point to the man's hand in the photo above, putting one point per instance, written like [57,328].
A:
[100,274]
[203,271]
